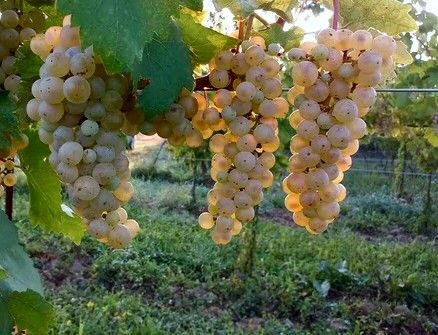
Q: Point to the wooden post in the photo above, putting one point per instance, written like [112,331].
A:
[9,202]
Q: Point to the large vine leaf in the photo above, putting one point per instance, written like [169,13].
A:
[193,4]
[118,30]
[402,55]
[202,41]
[3,273]
[8,121]
[45,192]
[28,64]
[287,39]
[243,8]
[39,3]
[389,16]
[24,95]
[167,67]
[31,312]
[15,262]
[21,290]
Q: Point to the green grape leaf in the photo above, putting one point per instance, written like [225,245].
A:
[197,16]
[389,16]
[8,121]
[287,39]
[124,27]
[21,275]
[167,67]
[193,4]
[28,64]
[402,55]
[243,8]
[24,95]
[3,273]
[202,41]
[15,262]
[45,192]
[119,34]
[432,137]
[30,311]
[39,3]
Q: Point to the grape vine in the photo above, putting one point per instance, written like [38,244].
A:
[103,81]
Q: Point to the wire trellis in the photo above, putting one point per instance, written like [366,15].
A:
[395,90]
[353,169]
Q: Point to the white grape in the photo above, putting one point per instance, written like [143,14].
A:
[76,89]
[71,153]
[86,188]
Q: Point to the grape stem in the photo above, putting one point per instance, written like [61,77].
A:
[248,28]
[336,14]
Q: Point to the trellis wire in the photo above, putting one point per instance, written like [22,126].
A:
[407,90]
[395,90]
[434,175]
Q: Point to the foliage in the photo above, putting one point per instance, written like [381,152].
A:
[203,42]
[31,312]
[28,64]
[39,3]
[45,189]
[174,278]
[8,121]
[21,300]
[389,16]
[125,26]
[244,8]
[161,57]
[287,39]
[158,44]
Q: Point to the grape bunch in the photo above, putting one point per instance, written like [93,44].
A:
[7,176]
[78,107]
[334,82]
[7,161]
[246,107]
[184,123]
[16,27]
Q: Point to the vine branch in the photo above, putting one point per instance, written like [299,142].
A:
[336,14]
[262,20]
[249,26]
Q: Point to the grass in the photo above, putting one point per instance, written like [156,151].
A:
[371,273]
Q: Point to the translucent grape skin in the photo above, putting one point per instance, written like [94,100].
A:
[335,82]
[247,118]
[81,119]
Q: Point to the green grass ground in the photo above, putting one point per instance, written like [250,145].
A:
[372,273]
